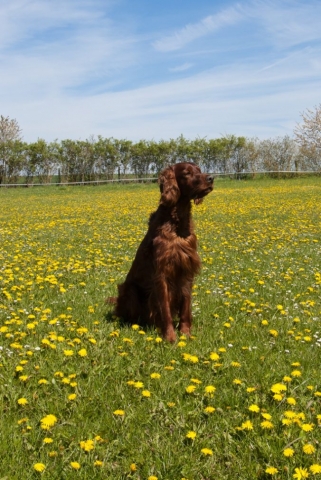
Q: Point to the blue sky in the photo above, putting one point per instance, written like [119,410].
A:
[155,69]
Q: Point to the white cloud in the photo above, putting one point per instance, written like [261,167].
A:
[181,68]
[193,31]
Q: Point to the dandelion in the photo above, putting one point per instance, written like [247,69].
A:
[278,388]
[288,452]
[273,333]
[171,404]
[98,463]
[190,389]
[146,393]
[267,425]
[315,469]
[248,425]
[271,470]
[254,408]
[308,449]
[48,422]
[214,356]
[291,401]
[307,427]
[119,413]
[207,451]
[300,473]
[138,384]
[72,396]
[75,465]
[155,375]
[237,381]
[152,477]
[235,364]
[47,440]
[191,435]
[82,352]
[209,409]
[158,340]
[87,445]
[39,467]
[22,401]
[196,380]
[68,353]
[210,389]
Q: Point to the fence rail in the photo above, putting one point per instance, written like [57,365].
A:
[154,179]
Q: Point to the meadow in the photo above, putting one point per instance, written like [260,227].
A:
[85,397]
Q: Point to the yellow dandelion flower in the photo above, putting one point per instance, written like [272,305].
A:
[214,356]
[300,473]
[48,421]
[72,396]
[47,440]
[210,389]
[296,373]
[191,435]
[315,469]
[22,401]
[98,463]
[209,409]
[308,448]
[267,425]
[207,451]
[254,408]
[82,352]
[155,375]
[146,393]
[87,445]
[288,452]
[68,353]
[190,389]
[75,465]
[271,470]
[39,467]
[248,425]
[307,427]
[278,388]
[119,413]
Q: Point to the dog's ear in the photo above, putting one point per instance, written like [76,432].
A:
[168,186]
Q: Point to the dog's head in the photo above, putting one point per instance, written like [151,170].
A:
[186,181]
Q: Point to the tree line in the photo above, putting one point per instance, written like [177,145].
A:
[102,158]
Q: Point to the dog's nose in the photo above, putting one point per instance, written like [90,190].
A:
[210,179]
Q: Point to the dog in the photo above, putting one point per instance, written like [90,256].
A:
[159,283]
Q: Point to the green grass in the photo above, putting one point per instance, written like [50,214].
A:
[256,308]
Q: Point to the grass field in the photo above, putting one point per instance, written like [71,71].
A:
[83,397]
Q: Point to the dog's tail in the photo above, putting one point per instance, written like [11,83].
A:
[111,300]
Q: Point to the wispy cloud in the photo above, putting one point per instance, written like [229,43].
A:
[193,31]
[181,68]
[70,69]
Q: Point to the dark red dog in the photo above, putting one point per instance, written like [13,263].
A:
[158,285]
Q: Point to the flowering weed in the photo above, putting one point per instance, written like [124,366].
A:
[84,396]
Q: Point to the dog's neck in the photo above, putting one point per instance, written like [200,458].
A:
[181,218]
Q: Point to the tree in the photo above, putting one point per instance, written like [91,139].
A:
[9,130]
[308,136]
[9,133]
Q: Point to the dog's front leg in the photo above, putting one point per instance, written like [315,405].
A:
[163,318]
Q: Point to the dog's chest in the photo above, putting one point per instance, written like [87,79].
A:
[177,255]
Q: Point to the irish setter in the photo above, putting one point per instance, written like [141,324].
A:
[159,282]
